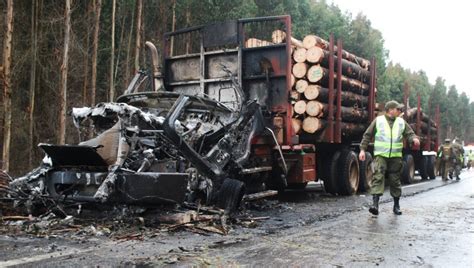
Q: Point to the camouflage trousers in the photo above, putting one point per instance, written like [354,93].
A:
[446,168]
[387,170]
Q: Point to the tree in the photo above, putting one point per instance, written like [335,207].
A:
[64,69]
[95,44]
[138,32]
[7,98]
[112,54]
[34,53]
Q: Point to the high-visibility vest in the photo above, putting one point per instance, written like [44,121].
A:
[389,141]
[471,156]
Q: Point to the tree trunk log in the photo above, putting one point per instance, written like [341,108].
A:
[299,55]
[314,54]
[279,36]
[349,69]
[312,124]
[301,85]
[311,92]
[300,69]
[313,40]
[254,42]
[347,98]
[314,108]
[319,74]
[348,114]
[300,107]
[294,96]
[296,123]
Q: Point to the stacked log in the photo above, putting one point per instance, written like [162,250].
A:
[310,93]
[425,122]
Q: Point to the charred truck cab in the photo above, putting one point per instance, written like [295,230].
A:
[212,122]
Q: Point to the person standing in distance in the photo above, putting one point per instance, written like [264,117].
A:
[388,132]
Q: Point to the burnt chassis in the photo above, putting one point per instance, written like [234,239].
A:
[206,165]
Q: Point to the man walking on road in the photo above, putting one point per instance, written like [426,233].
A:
[445,154]
[388,131]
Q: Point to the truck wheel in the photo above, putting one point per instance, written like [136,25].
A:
[330,178]
[366,173]
[408,171]
[423,167]
[230,195]
[297,186]
[431,167]
[348,172]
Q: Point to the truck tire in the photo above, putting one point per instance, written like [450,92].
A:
[230,195]
[431,167]
[423,167]
[408,171]
[366,173]
[348,173]
[330,176]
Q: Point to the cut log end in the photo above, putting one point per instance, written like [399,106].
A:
[299,55]
[314,108]
[300,69]
[315,73]
[314,54]
[311,124]
[311,92]
[301,85]
[300,107]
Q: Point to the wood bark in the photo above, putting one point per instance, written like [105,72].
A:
[294,96]
[347,98]
[313,40]
[95,49]
[348,84]
[349,69]
[112,55]
[7,91]
[64,71]
[34,54]
[138,32]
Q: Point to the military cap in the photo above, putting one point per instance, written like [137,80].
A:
[393,105]
[447,140]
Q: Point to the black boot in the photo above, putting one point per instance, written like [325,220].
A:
[374,209]
[396,206]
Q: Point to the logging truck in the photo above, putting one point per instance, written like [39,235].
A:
[316,98]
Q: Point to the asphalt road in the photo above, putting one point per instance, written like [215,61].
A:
[304,228]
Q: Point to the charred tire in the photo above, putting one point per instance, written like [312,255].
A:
[408,171]
[230,195]
[348,173]
[366,174]
[431,167]
[330,178]
[423,168]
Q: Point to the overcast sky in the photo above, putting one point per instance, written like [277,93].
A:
[435,36]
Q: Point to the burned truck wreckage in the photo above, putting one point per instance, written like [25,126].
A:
[151,148]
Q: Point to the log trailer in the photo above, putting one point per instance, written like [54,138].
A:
[299,146]
[422,159]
